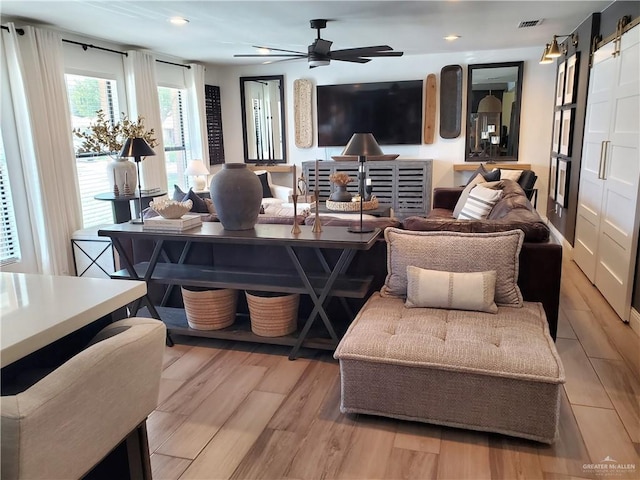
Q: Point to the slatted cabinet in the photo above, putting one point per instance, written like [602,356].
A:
[404,185]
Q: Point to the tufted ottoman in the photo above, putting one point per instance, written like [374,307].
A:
[481,371]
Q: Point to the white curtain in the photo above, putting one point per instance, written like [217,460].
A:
[36,72]
[196,113]
[142,98]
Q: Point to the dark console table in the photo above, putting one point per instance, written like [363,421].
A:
[327,280]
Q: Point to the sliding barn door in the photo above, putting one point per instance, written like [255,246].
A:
[608,213]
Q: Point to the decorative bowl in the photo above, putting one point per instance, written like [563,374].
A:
[170,208]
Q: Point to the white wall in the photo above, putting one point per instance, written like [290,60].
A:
[536,117]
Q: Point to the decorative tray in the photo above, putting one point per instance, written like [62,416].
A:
[371,158]
[352,206]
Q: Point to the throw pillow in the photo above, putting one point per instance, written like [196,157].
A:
[510,174]
[199,205]
[210,206]
[178,194]
[455,252]
[492,176]
[479,171]
[479,203]
[465,193]
[266,190]
[454,291]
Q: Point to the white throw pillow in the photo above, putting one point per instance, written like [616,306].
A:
[454,291]
[479,203]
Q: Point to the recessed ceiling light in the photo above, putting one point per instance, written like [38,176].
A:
[178,20]
[451,38]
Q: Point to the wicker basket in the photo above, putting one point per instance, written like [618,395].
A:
[352,206]
[210,309]
[273,316]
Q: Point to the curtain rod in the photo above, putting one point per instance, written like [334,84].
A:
[85,46]
[19,31]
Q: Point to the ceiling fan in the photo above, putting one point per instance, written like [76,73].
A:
[320,53]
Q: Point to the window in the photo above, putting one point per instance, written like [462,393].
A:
[87,95]
[174,134]
[9,244]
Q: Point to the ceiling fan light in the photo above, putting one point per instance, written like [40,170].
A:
[318,62]
[554,49]
[264,51]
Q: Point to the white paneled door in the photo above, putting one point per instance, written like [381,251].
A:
[608,214]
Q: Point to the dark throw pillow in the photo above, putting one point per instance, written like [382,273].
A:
[199,205]
[178,194]
[489,176]
[266,190]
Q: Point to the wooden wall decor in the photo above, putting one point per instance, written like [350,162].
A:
[430,109]
[302,113]
[450,101]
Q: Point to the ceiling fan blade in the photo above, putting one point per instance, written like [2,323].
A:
[352,59]
[284,60]
[277,49]
[257,55]
[385,54]
[321,46]
[360,51]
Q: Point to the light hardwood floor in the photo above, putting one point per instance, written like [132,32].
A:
[244,411]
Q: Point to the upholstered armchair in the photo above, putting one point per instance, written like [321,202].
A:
[66,423]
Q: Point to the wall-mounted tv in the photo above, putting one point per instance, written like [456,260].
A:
[392,111]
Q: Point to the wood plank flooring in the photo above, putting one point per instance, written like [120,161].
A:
[244,411]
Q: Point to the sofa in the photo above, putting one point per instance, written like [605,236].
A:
[540,265]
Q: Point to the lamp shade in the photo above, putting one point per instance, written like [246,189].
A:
[545,59]
[554,49]
[136,147]
[362,145]
[196,167]
[490,104]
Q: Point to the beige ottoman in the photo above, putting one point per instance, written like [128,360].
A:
[481,371]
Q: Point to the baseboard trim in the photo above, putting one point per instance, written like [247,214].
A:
[634,321]
[567,248]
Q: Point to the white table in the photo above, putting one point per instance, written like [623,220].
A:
[36,310]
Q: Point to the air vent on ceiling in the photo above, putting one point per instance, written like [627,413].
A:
[529,23]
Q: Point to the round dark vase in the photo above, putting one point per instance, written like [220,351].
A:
[340,194]
[236,193]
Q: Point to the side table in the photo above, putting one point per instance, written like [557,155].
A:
[121,206]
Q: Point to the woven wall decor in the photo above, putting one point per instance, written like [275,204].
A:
[302,112]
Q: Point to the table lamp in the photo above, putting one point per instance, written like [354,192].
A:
[362,145]
[199,172]
[137,148]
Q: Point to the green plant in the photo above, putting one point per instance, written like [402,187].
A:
[106,137]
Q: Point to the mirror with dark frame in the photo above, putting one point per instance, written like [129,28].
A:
[494,94]
[263,131]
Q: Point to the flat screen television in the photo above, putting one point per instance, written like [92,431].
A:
[392,111]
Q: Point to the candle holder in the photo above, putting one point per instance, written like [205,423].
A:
[296,228]
[317,225]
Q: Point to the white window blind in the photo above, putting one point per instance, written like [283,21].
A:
[87,95]
[9,244]
[174,134]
